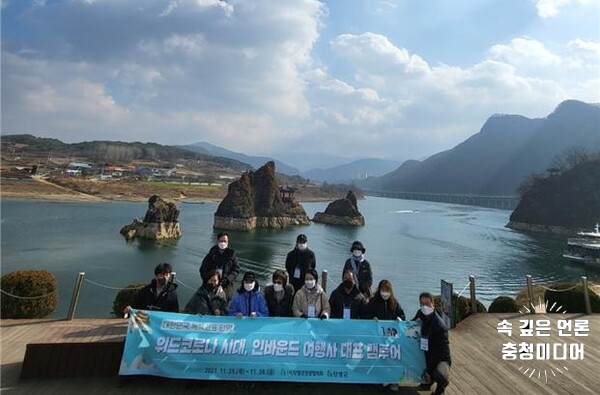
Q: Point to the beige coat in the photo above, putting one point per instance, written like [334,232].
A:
[303,298]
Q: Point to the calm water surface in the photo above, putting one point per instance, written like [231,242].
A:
[414,244]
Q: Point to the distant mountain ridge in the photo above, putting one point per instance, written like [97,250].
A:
[117,151]
[357,169]
[254,161]
[498,158]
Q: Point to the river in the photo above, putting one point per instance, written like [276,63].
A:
[412,243]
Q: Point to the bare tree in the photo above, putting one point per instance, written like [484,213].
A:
[571,157]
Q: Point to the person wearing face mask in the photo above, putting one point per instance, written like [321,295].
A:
[160,294]
[361,268]
[209,299]
[223,259]
[384,305]
[298,261]
[434,343]
[279,295]
[249,302]
[311,301]
[346,301]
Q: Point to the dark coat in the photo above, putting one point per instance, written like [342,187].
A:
[433,328]
[226,261]
[339,300]
[205,302]
[147,299]
[304,260]
[380,308]
[363,274]
[283,307]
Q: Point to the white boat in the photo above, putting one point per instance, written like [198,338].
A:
[585,248]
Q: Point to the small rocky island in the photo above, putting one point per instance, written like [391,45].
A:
[256,201]
[565,201]
[342,212]
[160,222]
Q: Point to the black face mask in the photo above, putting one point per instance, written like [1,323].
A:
[210,286]
[162,281]
[348,284]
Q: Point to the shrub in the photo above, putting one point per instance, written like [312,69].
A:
[126,297]
[461,306]
[504,304]
[570,301]
[40,285]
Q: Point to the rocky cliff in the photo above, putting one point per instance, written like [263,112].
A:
[256,201]
[561,203]
[160,222]
[342,212]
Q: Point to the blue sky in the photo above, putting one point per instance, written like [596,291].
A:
[395,79]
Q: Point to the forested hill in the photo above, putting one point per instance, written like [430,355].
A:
[502,155]
[569,200]
[113,151]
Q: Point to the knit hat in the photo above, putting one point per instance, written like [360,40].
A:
[249,276]
[301,238]
[357,245]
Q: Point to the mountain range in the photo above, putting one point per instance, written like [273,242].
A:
[254,161]
[358,169]
[507,150]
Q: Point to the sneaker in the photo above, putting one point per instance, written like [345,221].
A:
[394,387]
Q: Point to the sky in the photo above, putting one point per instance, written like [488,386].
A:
[395,79]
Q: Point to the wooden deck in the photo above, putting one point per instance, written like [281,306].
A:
[476,347]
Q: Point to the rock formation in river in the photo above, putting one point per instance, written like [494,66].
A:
[256,201]
[342,212]
[160,222]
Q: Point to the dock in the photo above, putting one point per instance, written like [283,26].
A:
[476,347]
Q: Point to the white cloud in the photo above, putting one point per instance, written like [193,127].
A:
[522,51]
[550,8]
[248,76]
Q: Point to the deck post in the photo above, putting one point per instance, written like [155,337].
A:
[586,295]
[324,280]
[530,294]
[473,299]
[75,296]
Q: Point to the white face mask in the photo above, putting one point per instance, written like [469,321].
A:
[384,295]
[302,246]
[278,287]
[426,310]
[222,245]
[357,253]
[249,286]
[310,284]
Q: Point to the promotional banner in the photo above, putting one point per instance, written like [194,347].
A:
[272,349]
[447,308]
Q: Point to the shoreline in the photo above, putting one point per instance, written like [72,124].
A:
[69,198]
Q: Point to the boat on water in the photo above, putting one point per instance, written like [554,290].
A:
[585,248]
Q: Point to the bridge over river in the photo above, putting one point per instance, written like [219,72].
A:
[492,201]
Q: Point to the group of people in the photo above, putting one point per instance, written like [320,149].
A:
[295,292]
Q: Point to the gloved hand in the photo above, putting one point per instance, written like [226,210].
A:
[323,316]
[303,316]
[225,282]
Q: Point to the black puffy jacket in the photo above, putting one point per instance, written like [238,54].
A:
[166,300]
